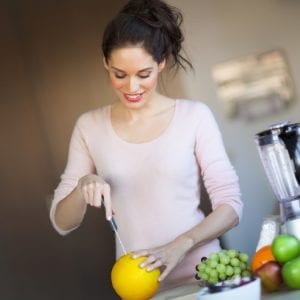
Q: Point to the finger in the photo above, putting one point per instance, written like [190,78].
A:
[140,253]
[90,193]
[165,273]
[85,193]
[107,201]
[149,260]
[158,263]
[97,195]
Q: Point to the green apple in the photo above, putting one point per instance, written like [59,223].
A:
[285,247]
[291,273]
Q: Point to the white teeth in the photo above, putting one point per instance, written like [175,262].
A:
[133,97]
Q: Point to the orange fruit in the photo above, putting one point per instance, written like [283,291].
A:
[262,256]
[131,282]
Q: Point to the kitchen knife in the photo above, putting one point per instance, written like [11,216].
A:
[114,228]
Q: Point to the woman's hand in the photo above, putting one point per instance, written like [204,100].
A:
[167,256]
[93,189]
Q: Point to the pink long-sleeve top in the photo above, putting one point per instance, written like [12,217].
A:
[155,186]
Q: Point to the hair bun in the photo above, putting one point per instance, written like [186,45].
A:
[153,12]
[151,23]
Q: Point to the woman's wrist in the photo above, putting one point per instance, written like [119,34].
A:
[186,241]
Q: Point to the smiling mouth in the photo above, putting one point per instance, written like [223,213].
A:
[133,97]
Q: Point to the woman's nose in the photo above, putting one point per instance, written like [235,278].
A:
[133,85]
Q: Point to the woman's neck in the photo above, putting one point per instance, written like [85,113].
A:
[159,105]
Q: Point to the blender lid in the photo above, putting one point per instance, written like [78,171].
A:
[276,131]
[271,135]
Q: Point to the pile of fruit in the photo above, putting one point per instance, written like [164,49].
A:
[278,264]
[222,266]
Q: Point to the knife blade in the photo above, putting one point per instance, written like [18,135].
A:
[114,227]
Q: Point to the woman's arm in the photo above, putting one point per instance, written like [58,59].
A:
[90,190]
[79,184]
[219,221]
[70,211]
[213,226]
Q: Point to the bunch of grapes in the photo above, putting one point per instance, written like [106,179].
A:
[223,265]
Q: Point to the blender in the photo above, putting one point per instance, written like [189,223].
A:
[279,151]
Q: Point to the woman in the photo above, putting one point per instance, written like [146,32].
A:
[145,153]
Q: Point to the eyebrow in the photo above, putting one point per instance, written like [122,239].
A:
[143,70]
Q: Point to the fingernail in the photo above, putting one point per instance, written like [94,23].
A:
[142,265]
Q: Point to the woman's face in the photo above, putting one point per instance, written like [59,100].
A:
[133,75]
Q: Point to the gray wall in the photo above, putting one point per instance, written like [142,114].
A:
[217,31]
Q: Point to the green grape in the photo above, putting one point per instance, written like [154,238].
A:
[220,268]
[237,270]
[213,273]
[222,252]
[212,263]
[204,276]
[220,257]
[207,270]
[201,267]
[229,270]
[234,262]
[243,257]
[225,260]
[202,271]
[212,280]
[232,253]
[222,276]
[243,265]
[200,274]
[223,265]
[246,273]
[214,257]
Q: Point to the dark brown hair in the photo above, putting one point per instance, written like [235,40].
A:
[151,24]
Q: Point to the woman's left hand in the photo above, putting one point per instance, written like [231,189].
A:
[167,256]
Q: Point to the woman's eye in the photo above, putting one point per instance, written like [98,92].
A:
[120,76]
[144,75]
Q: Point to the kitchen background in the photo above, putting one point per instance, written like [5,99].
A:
[51,71]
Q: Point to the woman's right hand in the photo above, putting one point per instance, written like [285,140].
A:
[93,189]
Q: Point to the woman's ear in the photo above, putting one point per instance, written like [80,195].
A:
[161,65]
[105,63]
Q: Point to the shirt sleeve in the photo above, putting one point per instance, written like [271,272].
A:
[219,176]
[79,164]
